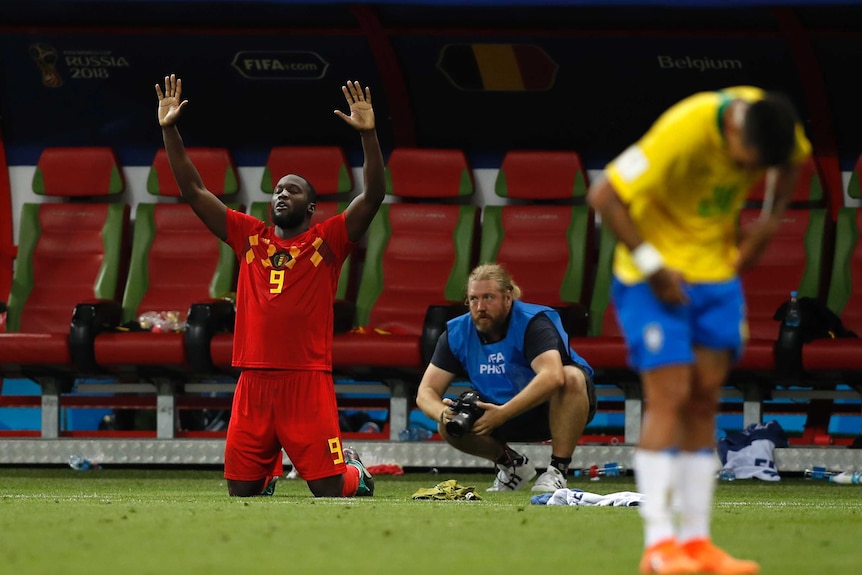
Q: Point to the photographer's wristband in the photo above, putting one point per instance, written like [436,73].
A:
[442,413]
[647,259]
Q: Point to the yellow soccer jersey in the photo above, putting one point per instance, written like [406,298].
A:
[684,192]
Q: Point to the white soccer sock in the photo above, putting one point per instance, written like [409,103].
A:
[653,477]
[695,477]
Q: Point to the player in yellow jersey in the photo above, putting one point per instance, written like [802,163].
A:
[673,200]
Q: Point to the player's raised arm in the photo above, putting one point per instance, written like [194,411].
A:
[209,208]
[754,238]
[363,208]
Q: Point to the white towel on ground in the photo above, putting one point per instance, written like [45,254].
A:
[578,497]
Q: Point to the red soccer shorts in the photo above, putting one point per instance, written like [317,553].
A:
[294,410]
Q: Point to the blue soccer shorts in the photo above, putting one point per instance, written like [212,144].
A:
[659,334]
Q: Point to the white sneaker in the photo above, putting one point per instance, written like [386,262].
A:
[513,478]
[550,481]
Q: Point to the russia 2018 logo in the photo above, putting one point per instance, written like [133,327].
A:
[45,57]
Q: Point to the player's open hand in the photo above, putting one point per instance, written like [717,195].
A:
[490,420]
[170,101]
[361,113]
[668,286]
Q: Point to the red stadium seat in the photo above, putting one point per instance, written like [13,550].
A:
[176,262]
[418,255]
[793,261]
[69,252]
[809,190]
[547,245]
[214,165]
[325,167]
[842,356]
[832,368]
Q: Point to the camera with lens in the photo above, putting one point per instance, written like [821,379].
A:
[466,414]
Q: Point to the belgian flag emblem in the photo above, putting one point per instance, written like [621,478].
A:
[280,259]
[498,67]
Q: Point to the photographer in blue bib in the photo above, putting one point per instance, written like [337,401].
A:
[528,385]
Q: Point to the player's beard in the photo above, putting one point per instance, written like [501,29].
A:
[492,328]
[288,221]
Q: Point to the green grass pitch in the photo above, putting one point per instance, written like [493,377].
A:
[145,521]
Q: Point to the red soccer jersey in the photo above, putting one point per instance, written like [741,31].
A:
[285,293]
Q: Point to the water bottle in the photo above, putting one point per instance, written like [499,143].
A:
[847,478]
[414,434]
[80,463]
[369,427]
[612,469]
[727,474]
[788,347]
[793,317]
[818,472]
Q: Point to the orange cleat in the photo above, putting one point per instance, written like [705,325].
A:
[713,559]
[667,558]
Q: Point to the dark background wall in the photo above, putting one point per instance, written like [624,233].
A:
[481,76]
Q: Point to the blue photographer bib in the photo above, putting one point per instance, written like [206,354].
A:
[499,371]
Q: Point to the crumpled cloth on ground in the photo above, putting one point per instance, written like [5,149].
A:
[448,490]
[750,452]
[585,498]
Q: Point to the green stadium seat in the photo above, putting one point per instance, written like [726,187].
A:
[854,190]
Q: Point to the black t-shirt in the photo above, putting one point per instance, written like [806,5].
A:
[539,337]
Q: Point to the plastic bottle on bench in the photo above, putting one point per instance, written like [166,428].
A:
[727,474]
[414,434]
[788,348]
[80,463]
[847,478]
[612,469]
[818,472]
[793,317]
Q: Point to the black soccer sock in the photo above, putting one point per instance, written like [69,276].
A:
[561,463]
